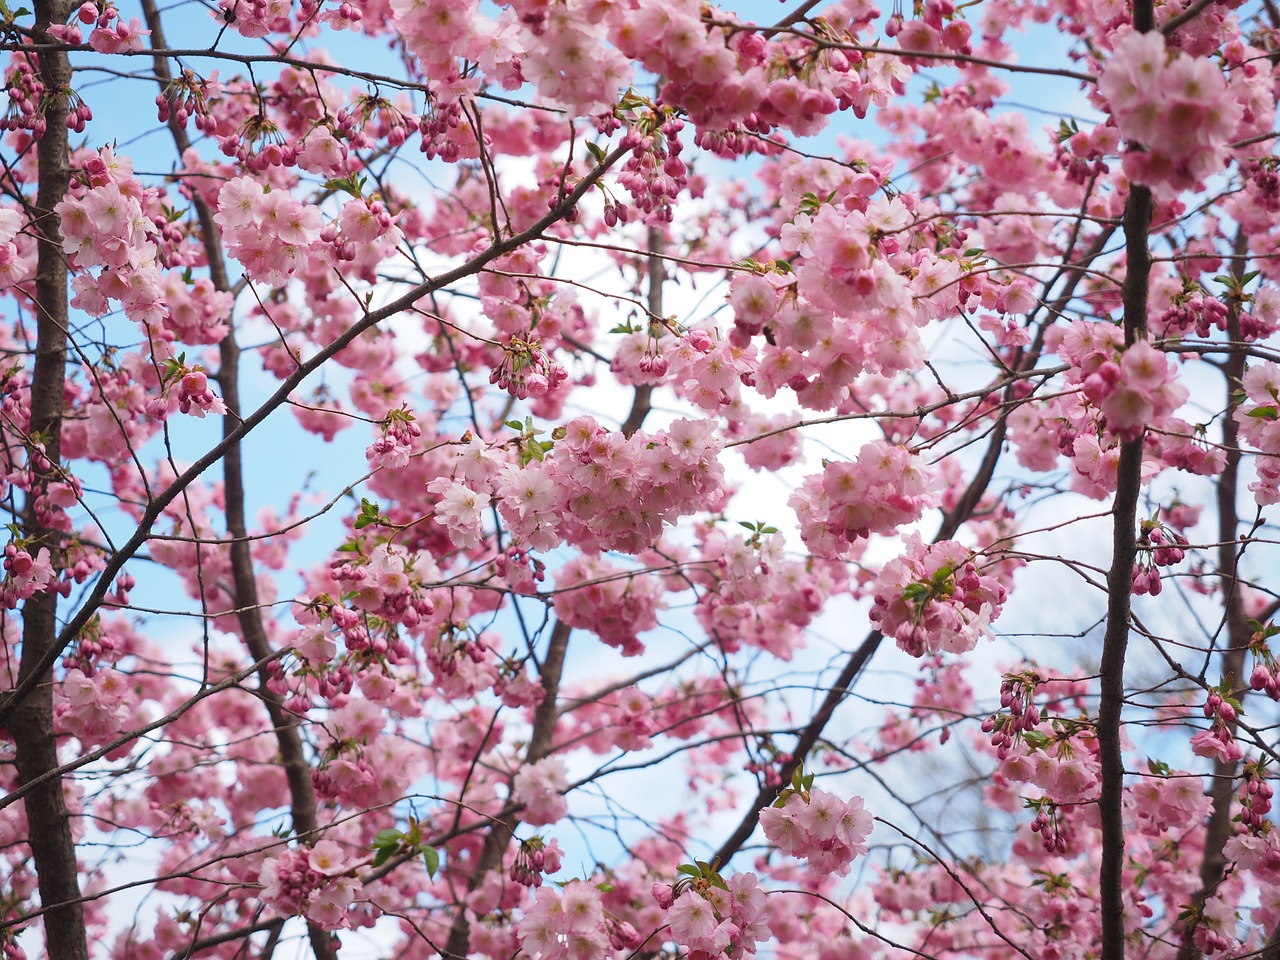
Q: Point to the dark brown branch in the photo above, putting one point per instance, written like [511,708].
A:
[31,718]
[1137,226]
[643,401]
[1186,16]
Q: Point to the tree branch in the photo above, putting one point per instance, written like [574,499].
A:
[30,719]
[1137,226]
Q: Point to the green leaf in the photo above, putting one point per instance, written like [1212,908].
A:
[1264,413]
[352,185]
[605,887]
[595,152]
[916,592]
[387,838]
[689,870]
[370,513]
[431,860]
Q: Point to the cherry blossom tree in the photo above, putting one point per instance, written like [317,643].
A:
[581,479]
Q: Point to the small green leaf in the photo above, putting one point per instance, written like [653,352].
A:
[1264,413]
[387,838]
[431,860]
[916,592]
[595,152]
[689,870]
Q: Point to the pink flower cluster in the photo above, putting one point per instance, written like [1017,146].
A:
[527,370]
[819,827]
[107,226]
[1259,422]
[1066,769]
[194,395]
[270,232]
[568,59]
[1017,695]
[25,575]
[885,488]
[932,598]
[1176,108]
[460,510]
[611,602]
[599,476]
[394,447]
[95,707]
[712,921]
[316,883]
[540,787]
[754,594]
[1265,677]
[1132,386]
[571,924]
[1166,548]
[534,858]
[1219,741]
[1255,797]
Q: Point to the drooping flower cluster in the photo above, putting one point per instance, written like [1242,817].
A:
[609,601]
[1255,797]
[1164,548]
[814,825]
[25,575]
[886,487]
[571,924]
[713,918]
[316,883]
[535,858]
[1219,741]
[599,475]
[1177,108]
[540,788]
[933,598]
[1134,387]
[1258,418]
